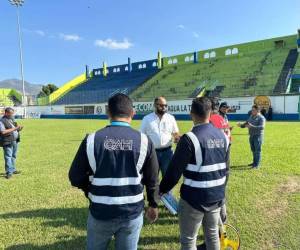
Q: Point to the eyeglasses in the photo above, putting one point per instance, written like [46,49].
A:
[162,105]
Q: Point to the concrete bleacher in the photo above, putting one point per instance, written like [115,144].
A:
[99,88]
[254,69]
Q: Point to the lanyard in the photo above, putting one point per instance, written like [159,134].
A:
[122,124]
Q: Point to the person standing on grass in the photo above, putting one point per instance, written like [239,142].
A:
[9,140]
[256,126]
[161,127]
[200,157]
[111,166]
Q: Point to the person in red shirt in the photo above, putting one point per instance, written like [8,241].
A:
[221,123]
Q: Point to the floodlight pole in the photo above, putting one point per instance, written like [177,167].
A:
[21,57]
[18,4]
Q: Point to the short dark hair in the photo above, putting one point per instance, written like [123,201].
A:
[120,105]
[201,106]
[255,106]
[9,110]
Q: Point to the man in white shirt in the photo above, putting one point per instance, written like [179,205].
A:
[161,128]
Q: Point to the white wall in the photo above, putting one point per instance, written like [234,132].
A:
[280,104]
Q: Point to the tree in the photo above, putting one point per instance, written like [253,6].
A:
[47,90]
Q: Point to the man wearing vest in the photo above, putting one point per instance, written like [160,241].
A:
[111,167]
[9,139]
[201,157]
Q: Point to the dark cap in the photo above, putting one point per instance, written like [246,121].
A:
[224,105]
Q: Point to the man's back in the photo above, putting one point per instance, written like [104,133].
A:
[205,185]
[117,156]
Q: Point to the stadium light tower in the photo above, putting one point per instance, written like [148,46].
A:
[18,4]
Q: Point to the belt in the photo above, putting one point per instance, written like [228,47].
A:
[163,149]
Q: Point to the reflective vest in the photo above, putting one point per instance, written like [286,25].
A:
[116,156]
[204,179]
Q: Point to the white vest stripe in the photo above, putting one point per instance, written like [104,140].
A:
[204,184]
[107,200]
[198,151]
[90,151]
[143,152]
[206,169]
[117,181]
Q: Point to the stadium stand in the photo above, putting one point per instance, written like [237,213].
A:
[263,67]
[10,97]
[99,88]
[254,68]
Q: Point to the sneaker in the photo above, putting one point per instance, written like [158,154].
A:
[8,176]
[17,172]
[250,165]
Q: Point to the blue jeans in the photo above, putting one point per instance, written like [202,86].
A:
[10,156]
[164,158]
[256,142]
[125,232]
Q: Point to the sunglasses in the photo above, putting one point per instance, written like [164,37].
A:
[162,105]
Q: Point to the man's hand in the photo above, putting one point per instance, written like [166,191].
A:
[176,138]
[152,214]
[19,128]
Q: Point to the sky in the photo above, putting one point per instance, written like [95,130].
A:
[60,37]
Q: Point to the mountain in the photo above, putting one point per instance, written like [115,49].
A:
[30,89]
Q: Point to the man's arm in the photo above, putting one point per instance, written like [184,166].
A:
[5,131]
[180,160]
[175,131]
[150,176]
[80,169]
[143,126]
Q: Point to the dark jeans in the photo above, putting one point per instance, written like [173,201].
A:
[164,158]
[256,142]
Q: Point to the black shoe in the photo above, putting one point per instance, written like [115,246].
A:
[17,172]
[250,165]
[8,176]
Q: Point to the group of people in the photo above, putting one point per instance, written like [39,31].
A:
[113,165]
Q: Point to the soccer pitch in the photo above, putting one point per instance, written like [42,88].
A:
[40,210]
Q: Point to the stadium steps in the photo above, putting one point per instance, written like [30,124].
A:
[98,89]
[286,72]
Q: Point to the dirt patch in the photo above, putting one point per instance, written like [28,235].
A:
[274,206]
[291,186]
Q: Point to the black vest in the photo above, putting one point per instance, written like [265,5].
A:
[8,139]
[116,155]
[205,175]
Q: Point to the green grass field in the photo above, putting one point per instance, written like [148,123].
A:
[40,210]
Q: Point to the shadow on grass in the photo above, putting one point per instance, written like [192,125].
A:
[76,244]
[54,217]
[76,217]
[240,167]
